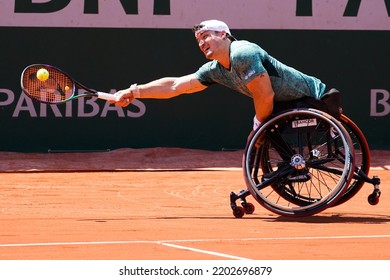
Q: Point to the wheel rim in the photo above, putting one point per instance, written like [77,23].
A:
[293,194]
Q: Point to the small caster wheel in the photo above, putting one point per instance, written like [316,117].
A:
[249,208]
[373,199]
[238,212]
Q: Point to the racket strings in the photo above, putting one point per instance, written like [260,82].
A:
[57,88]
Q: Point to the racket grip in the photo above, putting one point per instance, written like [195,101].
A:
[107,96]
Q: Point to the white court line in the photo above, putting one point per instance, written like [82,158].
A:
[193,240]
[204,251]
[76,243]
[169,242]
[127,242]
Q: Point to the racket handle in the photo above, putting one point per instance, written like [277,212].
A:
[107,96]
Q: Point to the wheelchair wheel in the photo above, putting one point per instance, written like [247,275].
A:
[362,158]
[299,163]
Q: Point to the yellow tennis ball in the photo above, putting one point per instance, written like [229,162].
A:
[42,74]
[67,88]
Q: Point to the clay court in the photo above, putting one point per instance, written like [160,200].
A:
[168,204]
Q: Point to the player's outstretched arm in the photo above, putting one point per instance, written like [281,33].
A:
[163,88]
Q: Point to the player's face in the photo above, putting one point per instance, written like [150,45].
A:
[209,43]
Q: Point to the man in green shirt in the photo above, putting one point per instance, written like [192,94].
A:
[237,64]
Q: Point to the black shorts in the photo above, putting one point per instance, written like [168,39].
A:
[330,102]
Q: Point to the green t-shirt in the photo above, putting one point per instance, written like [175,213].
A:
[249,60]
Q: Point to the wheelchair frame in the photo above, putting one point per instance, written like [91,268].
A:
[303,161]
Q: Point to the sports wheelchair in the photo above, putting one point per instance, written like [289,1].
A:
[306,158]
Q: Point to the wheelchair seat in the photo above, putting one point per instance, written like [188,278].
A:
[330,103]
[332,100]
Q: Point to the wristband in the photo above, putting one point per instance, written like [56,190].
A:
[135,91]
[256,123]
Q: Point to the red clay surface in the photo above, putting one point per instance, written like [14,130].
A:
[168,204]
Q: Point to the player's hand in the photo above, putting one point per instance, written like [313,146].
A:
[256,123]
[125,97]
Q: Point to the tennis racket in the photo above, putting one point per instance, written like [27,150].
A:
[48,84]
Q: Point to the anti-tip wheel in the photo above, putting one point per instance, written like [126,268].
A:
[373,199]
